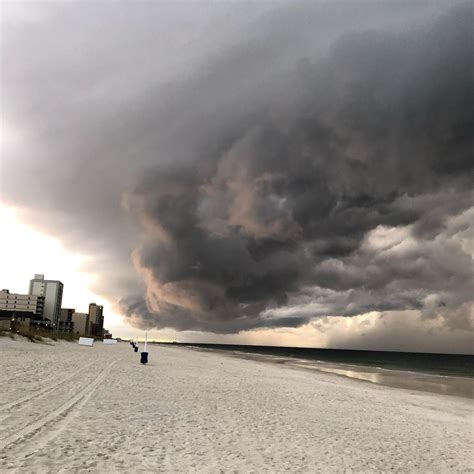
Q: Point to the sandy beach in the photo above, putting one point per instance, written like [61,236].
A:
[66,408]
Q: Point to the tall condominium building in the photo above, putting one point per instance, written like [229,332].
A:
[52,290]
[96,319]
[13,303]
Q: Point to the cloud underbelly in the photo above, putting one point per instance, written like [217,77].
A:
[344,198]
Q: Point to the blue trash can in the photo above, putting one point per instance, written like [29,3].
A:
[144,358]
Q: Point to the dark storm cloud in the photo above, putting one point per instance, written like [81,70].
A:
[320,166]
[287,202]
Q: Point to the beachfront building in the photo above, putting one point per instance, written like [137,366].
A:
[52,291]
[96,319]
[12,304]
[21,322]
[19,311]
[80,323]
[66,323]
[5,322]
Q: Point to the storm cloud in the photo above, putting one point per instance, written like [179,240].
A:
[233,170]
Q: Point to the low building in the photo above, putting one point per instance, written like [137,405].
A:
[18,303]
[5,322]
[81,323]
[21,310]
[21,322]
[66,324]
[44,323]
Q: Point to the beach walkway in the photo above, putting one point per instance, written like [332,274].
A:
[67,408]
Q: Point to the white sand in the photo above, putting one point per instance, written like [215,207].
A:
[66,408]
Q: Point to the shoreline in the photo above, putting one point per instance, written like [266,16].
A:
[456,386]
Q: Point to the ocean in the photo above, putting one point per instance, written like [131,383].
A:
[458,365]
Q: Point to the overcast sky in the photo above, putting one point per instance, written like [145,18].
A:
[279,172]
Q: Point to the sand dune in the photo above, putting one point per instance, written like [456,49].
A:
[66,408]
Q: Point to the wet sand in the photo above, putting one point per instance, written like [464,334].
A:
[440,384]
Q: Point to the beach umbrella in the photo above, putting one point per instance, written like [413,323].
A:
[144,354]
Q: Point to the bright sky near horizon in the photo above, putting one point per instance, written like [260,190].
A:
[26,251]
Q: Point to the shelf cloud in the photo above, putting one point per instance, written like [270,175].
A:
[307,160]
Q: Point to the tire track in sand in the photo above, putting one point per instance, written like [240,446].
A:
[83,395]
[41,392]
